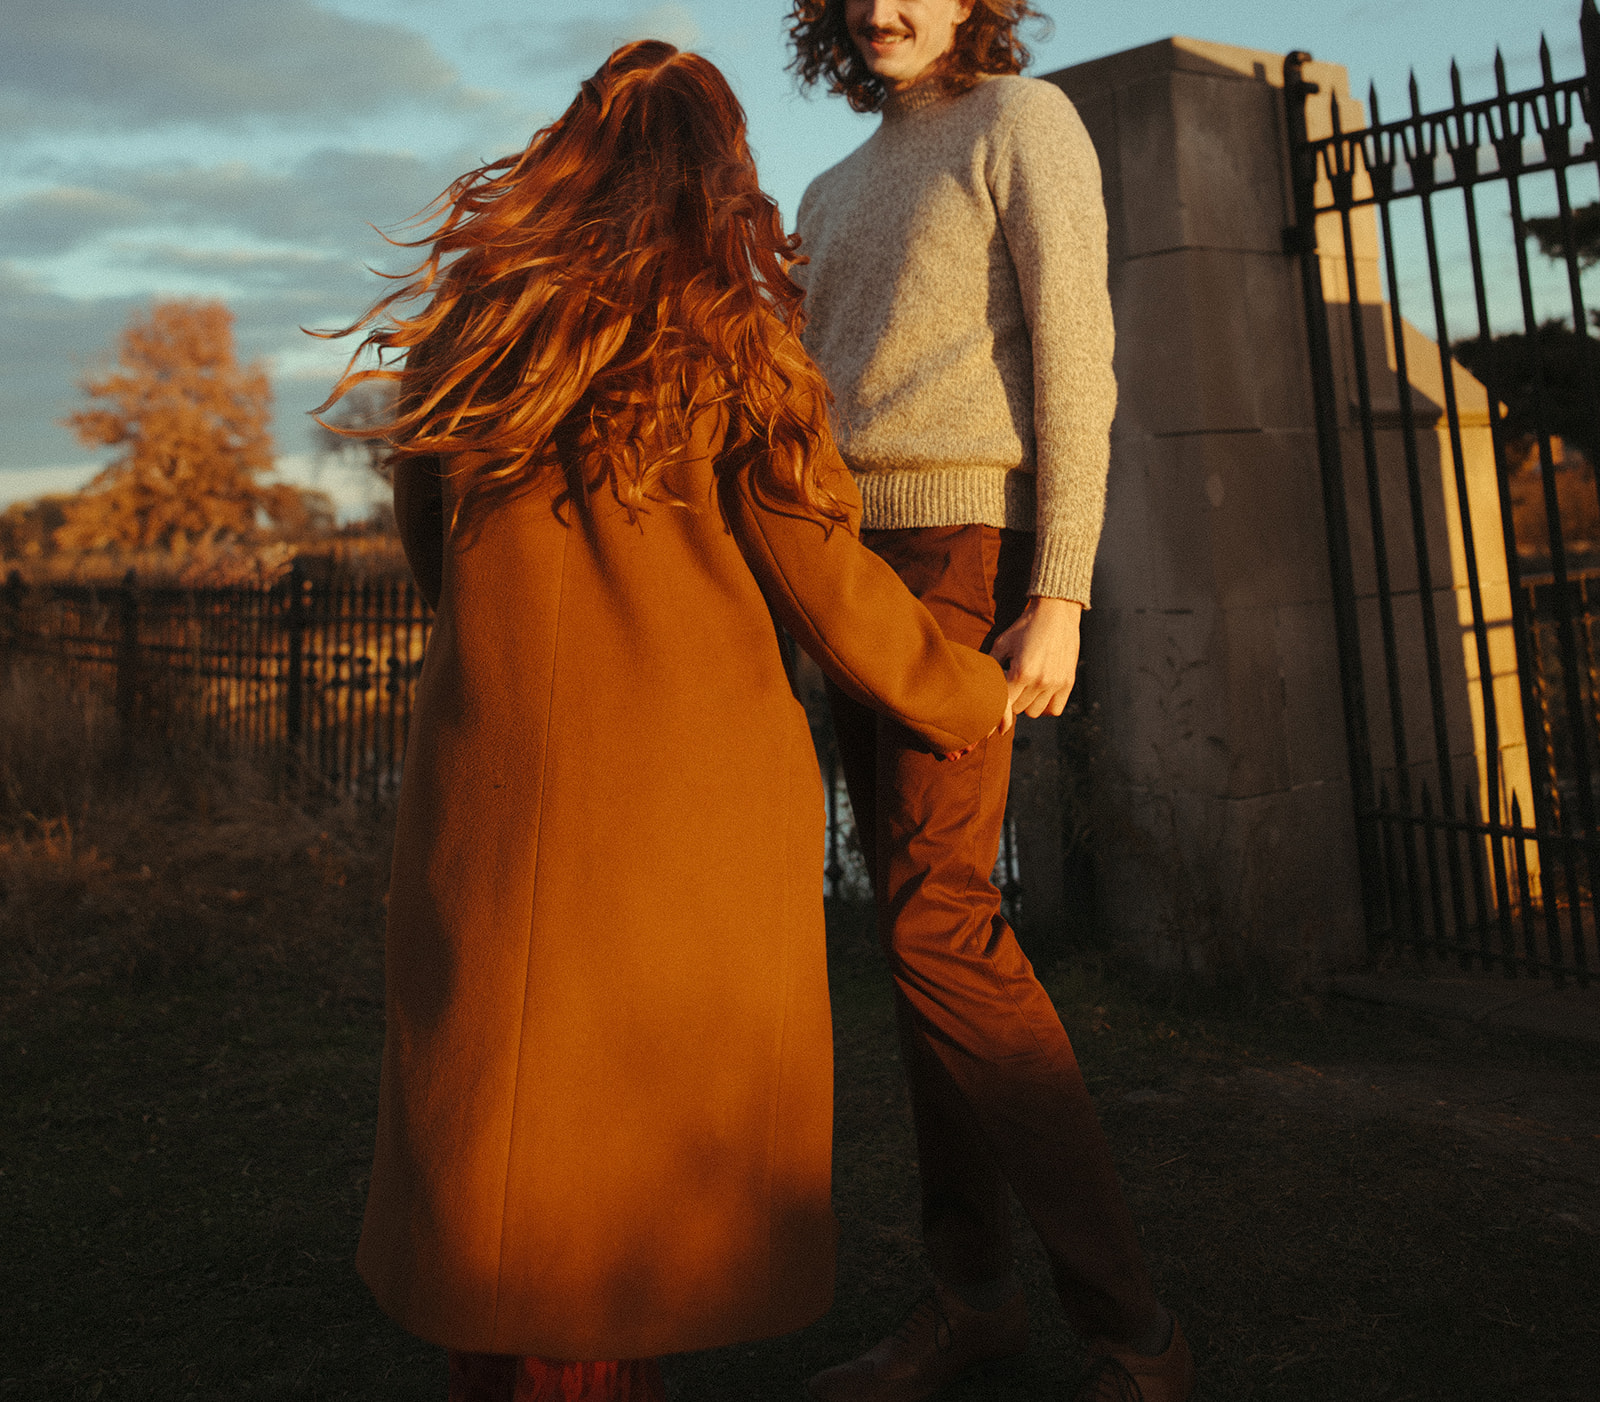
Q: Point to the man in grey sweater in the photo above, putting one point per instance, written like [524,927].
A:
[956,300]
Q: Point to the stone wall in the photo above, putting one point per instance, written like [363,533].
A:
[1225,835]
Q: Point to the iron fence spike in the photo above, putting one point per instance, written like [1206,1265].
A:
[1589,36]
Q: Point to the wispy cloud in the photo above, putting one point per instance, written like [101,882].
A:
[583,43]
[49,339]
[324,200]
[58,219]
[53,338]
[305,274]
[148,63]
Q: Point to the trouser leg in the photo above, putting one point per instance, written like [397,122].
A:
[966,1206]
[995,1086]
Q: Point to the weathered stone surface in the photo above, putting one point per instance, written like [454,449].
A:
[1226,817]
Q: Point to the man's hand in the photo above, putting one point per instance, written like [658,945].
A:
[1040,654]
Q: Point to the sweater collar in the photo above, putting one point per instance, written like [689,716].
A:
[904,102]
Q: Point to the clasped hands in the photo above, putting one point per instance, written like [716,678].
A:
[1040,654]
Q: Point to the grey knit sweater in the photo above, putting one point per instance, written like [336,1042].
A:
[956,301]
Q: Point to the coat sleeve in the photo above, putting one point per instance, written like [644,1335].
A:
[851,613]
[419,517]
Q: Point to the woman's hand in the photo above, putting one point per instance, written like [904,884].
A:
[1040,654]
[1006,722]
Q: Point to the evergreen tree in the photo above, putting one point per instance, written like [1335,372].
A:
[1542,380]
[1552,240]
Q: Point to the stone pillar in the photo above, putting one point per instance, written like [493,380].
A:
[1225,833]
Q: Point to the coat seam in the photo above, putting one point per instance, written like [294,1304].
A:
[783,1022]
[522,1030]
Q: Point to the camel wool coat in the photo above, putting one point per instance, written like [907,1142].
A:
[605,1122]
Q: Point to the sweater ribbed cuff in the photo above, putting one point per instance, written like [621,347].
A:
[1063,568]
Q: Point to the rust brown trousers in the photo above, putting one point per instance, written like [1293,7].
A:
[995,1088]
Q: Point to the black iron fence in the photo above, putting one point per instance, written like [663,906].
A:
[1472,694]
[318,675]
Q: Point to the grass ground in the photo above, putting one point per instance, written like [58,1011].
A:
[1342,1202]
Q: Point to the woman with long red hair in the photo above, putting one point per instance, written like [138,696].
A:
[605,1119]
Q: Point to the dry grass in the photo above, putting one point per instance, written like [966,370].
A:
[134,864]
[58,747]
[1342,1202]
[190,1009]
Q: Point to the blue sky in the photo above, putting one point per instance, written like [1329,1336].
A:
[241,148]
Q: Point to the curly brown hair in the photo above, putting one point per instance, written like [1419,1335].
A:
[986,42]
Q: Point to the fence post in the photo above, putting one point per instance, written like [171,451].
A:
[297,636]
[11,617]
[1589,37]
[1300,241]
[128,653]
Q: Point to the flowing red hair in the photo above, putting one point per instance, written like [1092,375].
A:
[591,294]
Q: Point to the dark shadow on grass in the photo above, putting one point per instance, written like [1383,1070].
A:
[1342,1201]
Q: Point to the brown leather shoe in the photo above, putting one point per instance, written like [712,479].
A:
[1121,1375]
[939,1339]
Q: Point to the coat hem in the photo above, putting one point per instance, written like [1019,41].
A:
[556,1347]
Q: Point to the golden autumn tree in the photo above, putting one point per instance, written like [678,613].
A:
[191,423]
[28,528]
